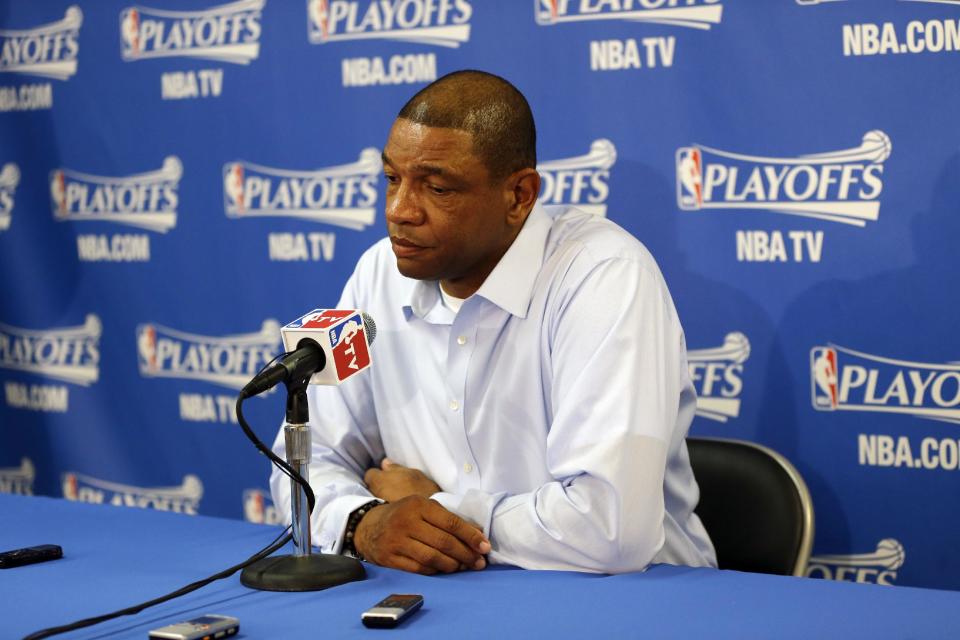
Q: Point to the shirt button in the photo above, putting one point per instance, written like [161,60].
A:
[454,405]
[467,467]
[462,340]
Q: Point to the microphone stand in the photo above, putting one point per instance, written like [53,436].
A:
[303,570]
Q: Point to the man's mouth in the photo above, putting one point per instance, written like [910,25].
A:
[403,248]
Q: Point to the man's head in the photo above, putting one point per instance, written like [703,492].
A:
[486,106]
[460,164]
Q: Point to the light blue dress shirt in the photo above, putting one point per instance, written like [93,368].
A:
[551,409]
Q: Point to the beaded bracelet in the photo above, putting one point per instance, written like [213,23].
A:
[352,523]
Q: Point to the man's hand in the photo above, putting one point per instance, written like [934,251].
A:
[392,482]
[418,535]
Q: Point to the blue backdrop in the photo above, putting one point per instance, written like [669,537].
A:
[178,181]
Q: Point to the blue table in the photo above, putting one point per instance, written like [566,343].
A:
[115,557]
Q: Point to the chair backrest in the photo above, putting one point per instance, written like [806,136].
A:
[754,504]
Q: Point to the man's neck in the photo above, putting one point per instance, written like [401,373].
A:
[465,287]
[450,301]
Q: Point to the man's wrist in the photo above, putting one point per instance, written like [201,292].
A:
[353,523]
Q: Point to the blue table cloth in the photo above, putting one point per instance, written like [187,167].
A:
[115,557]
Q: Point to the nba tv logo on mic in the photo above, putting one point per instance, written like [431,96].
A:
[340,333]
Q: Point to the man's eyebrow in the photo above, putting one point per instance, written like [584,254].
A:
[423,169]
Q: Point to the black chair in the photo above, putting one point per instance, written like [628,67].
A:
[754,505]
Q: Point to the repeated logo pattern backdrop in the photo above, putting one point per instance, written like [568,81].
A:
[178,180]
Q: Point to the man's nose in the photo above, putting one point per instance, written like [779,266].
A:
[404,206]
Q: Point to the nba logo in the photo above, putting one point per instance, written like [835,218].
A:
[130,32]
[253,506]
[349,342]
[823,378]
[322,318]
[319,20]
[233,186]
[340,333]
[70,486]
[689,178]
[58,191]
[147,347]
[546,11]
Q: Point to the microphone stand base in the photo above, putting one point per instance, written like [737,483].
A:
[302,573]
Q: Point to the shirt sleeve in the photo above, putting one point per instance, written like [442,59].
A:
[618,370]
[345,440]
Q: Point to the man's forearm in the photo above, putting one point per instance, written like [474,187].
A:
[587,523]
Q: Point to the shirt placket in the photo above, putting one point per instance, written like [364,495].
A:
[461,344]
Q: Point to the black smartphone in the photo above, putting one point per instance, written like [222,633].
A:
[392,610]
[29,555]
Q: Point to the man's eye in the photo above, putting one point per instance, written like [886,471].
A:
[438,190]
[390,178]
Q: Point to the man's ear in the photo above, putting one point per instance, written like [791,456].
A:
[524,188]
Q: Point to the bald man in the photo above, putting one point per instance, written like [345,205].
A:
[530,398]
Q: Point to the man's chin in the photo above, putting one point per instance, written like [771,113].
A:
[414,269]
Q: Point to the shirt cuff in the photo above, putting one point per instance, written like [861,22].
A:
[474,506]
[333,522]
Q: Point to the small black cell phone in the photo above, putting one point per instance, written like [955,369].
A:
[392,610]
[208,627]
[29,555]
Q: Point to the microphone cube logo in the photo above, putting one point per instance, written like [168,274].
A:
[320,319]
[350,351]
[340,333]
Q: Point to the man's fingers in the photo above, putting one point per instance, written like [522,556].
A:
[409,564]
[449,545]
[387,463]
[374,480]
[457,526]
[430,557]
[417,534]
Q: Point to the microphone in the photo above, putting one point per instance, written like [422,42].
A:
[342,336]
[312,342]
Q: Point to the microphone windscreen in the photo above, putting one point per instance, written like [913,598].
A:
[370,327]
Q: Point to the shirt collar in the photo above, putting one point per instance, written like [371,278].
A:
[421,297]
[510,284]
